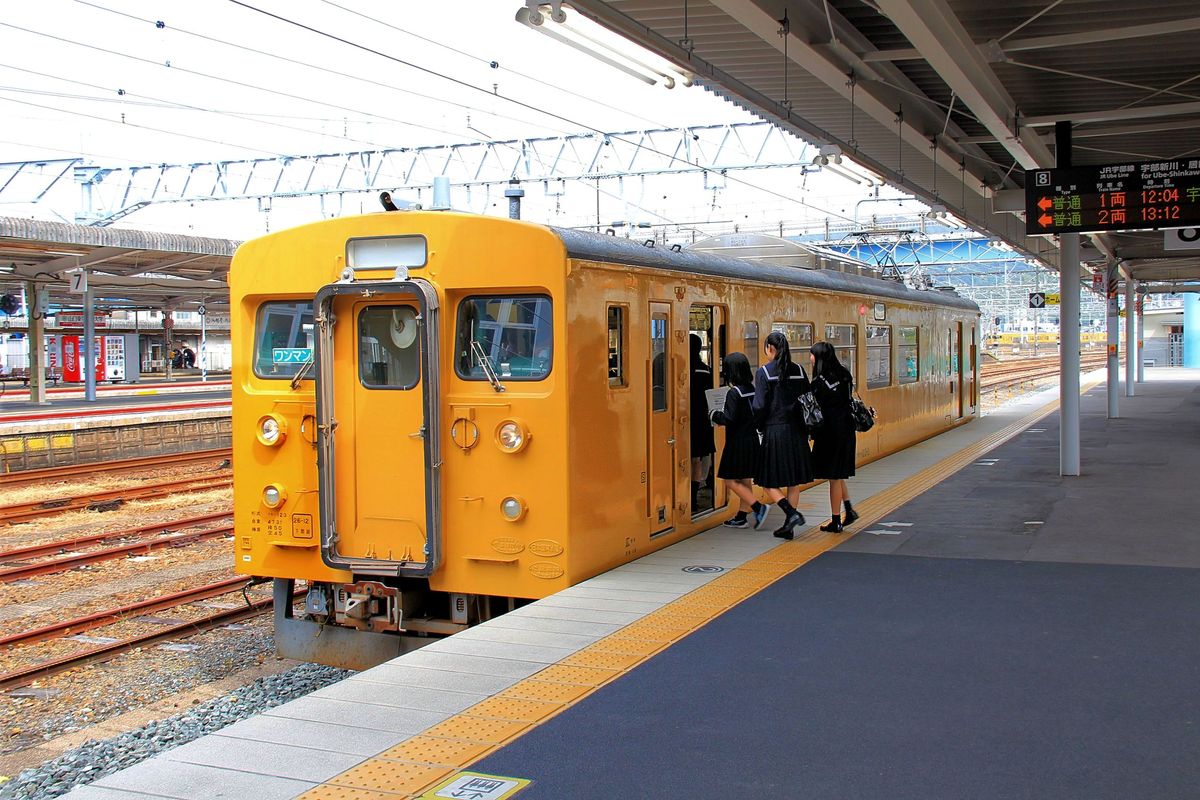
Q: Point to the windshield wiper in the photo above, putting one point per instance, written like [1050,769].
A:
[300,373]
[486,363]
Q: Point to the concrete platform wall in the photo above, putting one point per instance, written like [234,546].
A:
[91,441]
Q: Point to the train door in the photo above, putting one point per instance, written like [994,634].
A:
[382,507]
[376,404]
[703,323]
[956,367]
[972,373]
[661,425]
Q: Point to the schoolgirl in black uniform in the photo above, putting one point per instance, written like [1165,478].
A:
[739,459]
[833,443]
[785,461]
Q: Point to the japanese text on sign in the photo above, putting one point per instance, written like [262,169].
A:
[1113,197]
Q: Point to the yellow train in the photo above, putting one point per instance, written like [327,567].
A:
[1026,339]
[440,416]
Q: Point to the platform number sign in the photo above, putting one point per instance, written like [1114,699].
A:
[79,282]
[1037,299]
[477,786]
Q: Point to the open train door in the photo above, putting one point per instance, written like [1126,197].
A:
[378,457]
[661,447]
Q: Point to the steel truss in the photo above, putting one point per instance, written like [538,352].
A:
[110,193]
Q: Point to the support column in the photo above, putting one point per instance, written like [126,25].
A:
[1191,329]
[87,361]
[1141,338]
[1113,326]
[1131,349]
[36,339]
[203,344]
[1068,327]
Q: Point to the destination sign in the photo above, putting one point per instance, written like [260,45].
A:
[1113,197]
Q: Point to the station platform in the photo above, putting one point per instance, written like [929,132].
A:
[988,629]
[124,421]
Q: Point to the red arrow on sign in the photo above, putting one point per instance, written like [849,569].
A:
[1045,203]
[1045,220]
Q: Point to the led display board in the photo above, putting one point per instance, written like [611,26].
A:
[1113,197]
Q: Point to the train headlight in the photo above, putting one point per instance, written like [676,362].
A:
[273,495]
[272,430]
[513,508]
[512,436]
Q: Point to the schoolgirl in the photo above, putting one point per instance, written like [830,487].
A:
[785,463]
[833,444]
[742,453]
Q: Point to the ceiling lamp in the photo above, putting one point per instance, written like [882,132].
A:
[587,37]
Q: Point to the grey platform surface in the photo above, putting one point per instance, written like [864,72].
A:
[968,536]
[1137,500]
[1012,634]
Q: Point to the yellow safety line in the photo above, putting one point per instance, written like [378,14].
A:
[411,767]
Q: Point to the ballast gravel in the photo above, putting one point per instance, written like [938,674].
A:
[95,759]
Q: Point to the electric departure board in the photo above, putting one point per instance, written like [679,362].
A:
[1113,197]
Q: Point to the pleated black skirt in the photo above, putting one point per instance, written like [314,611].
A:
[785,458]
[741,457]
[833,453]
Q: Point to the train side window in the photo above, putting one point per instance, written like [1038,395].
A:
[879,356]
[660,390]
[909,350]
[751,336]
[844,339]
[389,347]
[515,334]
[283,336]
[799,337]
[616,346]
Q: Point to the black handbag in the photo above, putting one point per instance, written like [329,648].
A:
[810,411]
[862,414]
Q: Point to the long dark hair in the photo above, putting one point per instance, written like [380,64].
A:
[736,370]
[826,364]
[783,353]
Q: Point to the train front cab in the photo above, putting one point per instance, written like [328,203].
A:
[423,486]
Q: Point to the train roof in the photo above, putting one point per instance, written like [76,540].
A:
[618,250]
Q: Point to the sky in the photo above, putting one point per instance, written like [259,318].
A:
[134,82]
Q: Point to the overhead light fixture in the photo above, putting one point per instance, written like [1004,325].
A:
[589,38]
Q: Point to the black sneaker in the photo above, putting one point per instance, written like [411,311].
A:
[734,522]
[760,516]
[850,516]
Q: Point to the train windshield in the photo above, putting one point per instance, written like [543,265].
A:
[515,334]
[283,336]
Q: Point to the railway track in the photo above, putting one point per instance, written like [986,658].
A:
[26,477]
[43,669]
[107,500]
[10,574]
[1007,375]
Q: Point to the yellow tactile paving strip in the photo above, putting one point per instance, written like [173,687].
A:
[410,768]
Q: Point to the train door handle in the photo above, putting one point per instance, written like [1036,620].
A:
[671,441]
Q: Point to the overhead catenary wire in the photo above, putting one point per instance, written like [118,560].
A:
[327,70]
[491,63]
[523,104]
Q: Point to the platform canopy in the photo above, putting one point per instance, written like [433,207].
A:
[951,100]
[125,268]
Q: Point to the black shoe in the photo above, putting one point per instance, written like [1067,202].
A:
[737,523]
[786,531]
[850,516]
[833,527]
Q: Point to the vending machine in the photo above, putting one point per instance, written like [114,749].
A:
[108,356]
